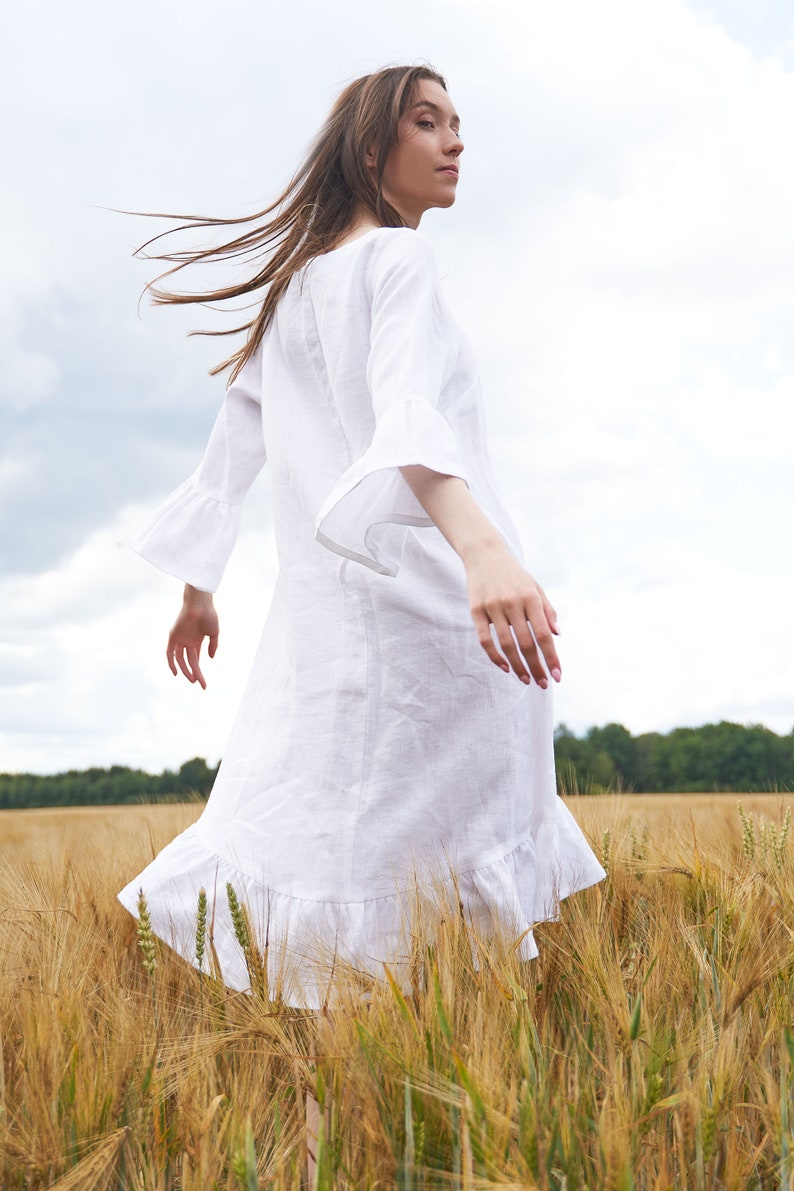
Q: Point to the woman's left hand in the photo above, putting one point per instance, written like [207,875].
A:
[197,619]
[502,594]
[506,602]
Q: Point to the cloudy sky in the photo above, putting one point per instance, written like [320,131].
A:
[621,256]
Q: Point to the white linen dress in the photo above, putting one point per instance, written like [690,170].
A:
[376,744]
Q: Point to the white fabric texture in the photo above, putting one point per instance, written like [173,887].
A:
[376,743]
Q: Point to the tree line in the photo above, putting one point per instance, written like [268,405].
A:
[707,759]
[117,785]
[711,758]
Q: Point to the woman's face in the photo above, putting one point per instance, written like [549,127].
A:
[421,170]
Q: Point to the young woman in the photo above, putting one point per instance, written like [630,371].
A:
[397,723]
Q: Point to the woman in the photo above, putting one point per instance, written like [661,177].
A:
[383,737]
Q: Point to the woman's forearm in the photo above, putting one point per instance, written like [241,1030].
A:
[196,597]
[450,505]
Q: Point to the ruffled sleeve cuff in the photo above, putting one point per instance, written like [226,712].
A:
[191,536]
[371,498]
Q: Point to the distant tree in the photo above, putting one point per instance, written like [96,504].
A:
[117,785]
[195,777]
[617,743]
[713,757]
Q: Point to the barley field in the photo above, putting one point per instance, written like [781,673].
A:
[650,1045]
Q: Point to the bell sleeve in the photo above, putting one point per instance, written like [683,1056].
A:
[413,350]
[195,528]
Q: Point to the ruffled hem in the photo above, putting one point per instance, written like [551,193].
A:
[191,537]
[303,938]
[359,517]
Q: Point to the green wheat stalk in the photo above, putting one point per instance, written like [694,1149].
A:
[146,939]
[201,929]
[244,935]
[748,833]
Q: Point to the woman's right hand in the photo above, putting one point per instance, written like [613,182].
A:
[197,619]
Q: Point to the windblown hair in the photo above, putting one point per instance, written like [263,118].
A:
[312,213]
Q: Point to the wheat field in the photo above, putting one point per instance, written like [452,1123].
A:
[650,1045]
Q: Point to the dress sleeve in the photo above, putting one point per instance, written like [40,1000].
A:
[195,528]
[412,352]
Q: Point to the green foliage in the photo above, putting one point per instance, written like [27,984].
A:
[244,1162]
[255,962]
[708,759]
[146,939]
[115,786]
[201,928]
[766,842]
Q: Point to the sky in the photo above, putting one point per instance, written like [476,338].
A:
[620,256]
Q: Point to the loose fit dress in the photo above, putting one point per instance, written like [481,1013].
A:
[376,747]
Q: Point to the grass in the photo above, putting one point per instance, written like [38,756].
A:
[649,1046]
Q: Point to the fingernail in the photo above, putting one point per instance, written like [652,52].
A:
[525,679]
[544,682]
[556,674]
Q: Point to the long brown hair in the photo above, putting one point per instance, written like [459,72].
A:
[314,210]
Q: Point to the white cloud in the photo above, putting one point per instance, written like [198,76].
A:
[85,676]
[29,377]
[740,422]
[14,475]
[688,643]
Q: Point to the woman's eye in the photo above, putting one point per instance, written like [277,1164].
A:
[425,123]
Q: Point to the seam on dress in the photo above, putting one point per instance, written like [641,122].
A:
[324,375]
[366,747]
[381,897]
[218,500]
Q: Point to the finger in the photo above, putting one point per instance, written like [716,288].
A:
[193,662]
[514,637]
[213,645]
[169,653]
[507,643]
[483,626]
[180,661]
[550,613]
[529,651]
[543,639]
